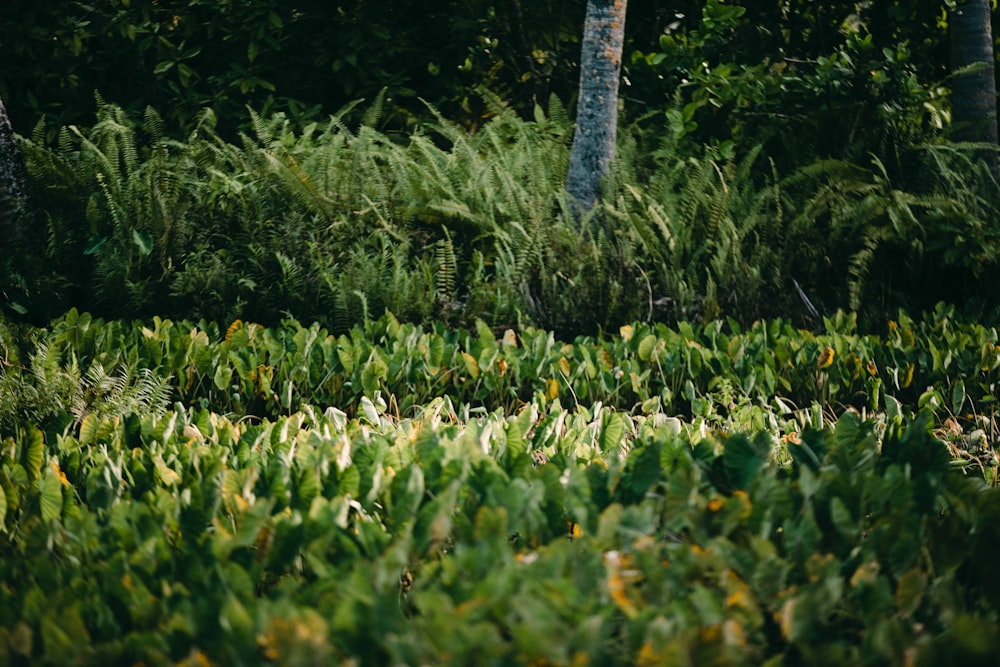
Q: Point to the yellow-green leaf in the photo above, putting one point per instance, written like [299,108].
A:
[471,365]
[50,496]
[33,447]
[166,474]
[646,346]
[88,430]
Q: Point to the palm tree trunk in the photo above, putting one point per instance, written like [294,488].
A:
[973,90]
[13,184]
[597,109]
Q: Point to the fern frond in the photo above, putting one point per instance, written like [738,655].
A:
[446,267]
[373,114]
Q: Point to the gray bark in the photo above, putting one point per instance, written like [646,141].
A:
[597,109]
[14,204]
[973,93]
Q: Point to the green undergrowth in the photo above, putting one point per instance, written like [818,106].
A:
[546,537]
[338,221]
[172,493]
[720,373]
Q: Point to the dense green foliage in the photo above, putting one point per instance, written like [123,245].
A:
[749,453]
[446,531]
[813,79]
[340,221]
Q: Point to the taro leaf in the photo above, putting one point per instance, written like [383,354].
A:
[646,346]
[486,337]
[742,458]
[143,241]
[957,396]
[237,622]
[471,365]
[166,474]
[612,432]
[842,518]
[515,439]
[50,496]
[88,430]
[893,407]
[407,493]
[165,426]
[810,451]
[374,370]
[597,478]
[369,411]
[436,519]
[435,350]
[308,487]
[350,482]
[32,449]
[643,468]
[223,374]
[917,447]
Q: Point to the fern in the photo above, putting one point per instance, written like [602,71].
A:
[446,269]
[123,393]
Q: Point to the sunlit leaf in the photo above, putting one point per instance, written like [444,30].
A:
[32,446]
[50,496]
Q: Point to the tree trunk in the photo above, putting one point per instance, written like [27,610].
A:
[973,93]
[13,184]
[597,109]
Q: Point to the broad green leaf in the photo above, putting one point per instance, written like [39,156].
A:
[308,487]
[515,439]
[407,493]
[165,473]
[646,346]
[841,517]
[223,374]
[957,396]
[350,482]
[165,426]
[893,407]
[486,337]
[88,430]
[471,365]
[612,432]
[374,371]
[236,620]
[143,241]
[644,467]
[369,411]
[50,496]
[33,446]
[742,458]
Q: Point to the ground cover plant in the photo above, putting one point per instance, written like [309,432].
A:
[700,495]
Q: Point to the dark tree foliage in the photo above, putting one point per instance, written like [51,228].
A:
[305,57]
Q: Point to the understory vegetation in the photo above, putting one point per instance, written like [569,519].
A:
[339,221]
[176,493]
